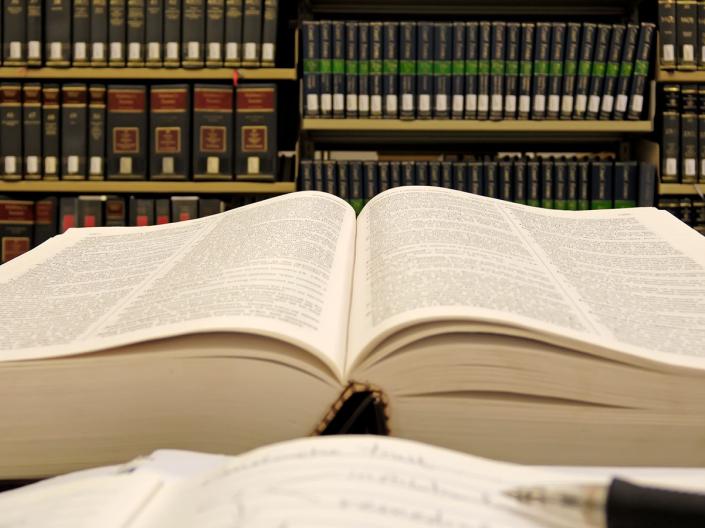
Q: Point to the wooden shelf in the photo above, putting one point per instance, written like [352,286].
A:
[680,188]
[141,187]
[680,76]
[150,74]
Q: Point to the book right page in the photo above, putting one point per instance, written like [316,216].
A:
[627,280]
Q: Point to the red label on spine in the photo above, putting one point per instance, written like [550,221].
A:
[19,212]
[126,100]
[212,139]
[126,140]
[67,222]
[211,99]
[74,95]
[162,219]
[44,212]
[168,100]
[255,99]
[142,220]
[89,221]
[183,215]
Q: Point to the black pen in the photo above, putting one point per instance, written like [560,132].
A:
[620,504]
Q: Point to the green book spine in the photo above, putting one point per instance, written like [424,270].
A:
[541,62]
[555,70]
[614,56]
[357,200]
[526,66]
[458,71]
[601,185]
[533,183]
[570,69]
[442,70]
[520,173]
[483,71]
[583,185]
[641,72]
[572,186]
[325,68]
[390,67]
[407,69]
[311,68]
[351,69]
[497,70]
[376,69]
[560,184]
[625,71]
[547,184]
[582,81]
[597,72]
[471,69]
[511,70]
[626,185]
[343,170]
[338,69]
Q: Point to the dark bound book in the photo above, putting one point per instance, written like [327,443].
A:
[458,71]
[210,206]
[555,70]
[57,32]
[311,68]
[582,81]
[99,32]
[46,215]
[614,57]
[35,31]
[154,32]
[547,184]
[597,73]
[476,182]
[570,69]
[376,68]
[700,50]
[519,184]
[170,148]
[212,132]
[584,185]
[68,213]
[96,131]
[472,30]
[701,133]
[89,211]
[50,131]
[363,68]
[172,33]
[533,183]
[526,67]
[252,32]
[506,183]
[256,132]
[351,69]
[215,32]
[667,33]
[338,69]
[483,70]
[626,184]
[390,68]
[269,32]
[689,133]
[81,32]
[424,70]
[184,208]
[233,33]
[460,176]
[74,119]
[641,72]
[193,33]
[602,185]
[542,54]
[560,184]
[114,211]
[325,68]
[443,54]
[11,130]
[647,185]
[32,130]
[626,70]
[407,69]
[127,132]
[14,32]
[162,211]
[687,36]
[16,228]
[135,33]
[497,70]
[511,70]
[490,179]
[117,31]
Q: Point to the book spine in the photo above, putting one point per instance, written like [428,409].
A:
[408,173]
[626,70]
[184,208]
[570,69]
[614,56]
[519,182]
[154,32]
[667,33]
[318,184]
[471,69]
[117,32]
[476,178]
[394,174]
[647,185]
[560,184]
[526,65]
[460,176]
[626,187]
[162,211]
[127,127]
[99,32]
[391,70]
[383,175]
[700,50]
[541,60]
[338,69]
[114,211]
[533,183]
[572,186]
[442,69]
[421,169]
[597,72]
[325,68]
[252,32]
[511,70]
[32,130]
[50,131]
[370,185]
[670,141]
[141,211]
[135,33]
[641,72]
[45,219]
[447,175]
[483,71]
[256,130]
[582,82]
[701,133]
[601,185]
[330,177]
[363,79]
[555,70]
[212,132]
[169,150]
[497,70]
[74,119]
[16,227]
[269,33]
[311,80]
[689,134]
[376,68]
[687,36]
[505,180]
[458,71]
[490,182]
[57,32]
[35,29]
[81,32]
[193,33]
[583,185]
[233,34]
[547,184]
[434,173]
[215,32]
[68,213]
[356,199]
[11,130]
[305,182]
[344,180]
[351,69]
[172,33]
[14,32]
[210,206]
[424,70]
[96,131]
[89,211]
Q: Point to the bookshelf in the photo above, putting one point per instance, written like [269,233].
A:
[680,76]
[146,187]
[149,74]
[672,189]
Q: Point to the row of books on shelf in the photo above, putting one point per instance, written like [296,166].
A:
[135,132]
[475,70]
[550,182]
[196,33]
[27,223]
[689,210]
[683,134]
[682,34]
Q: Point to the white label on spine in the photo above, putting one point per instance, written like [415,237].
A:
[391,105]
[688,53]
[594,104]
[621,104]
[690,166]
[50,165]
[376,104]
[326,103]
[32,164]
[580,103]
[424,103]
[134,51]
[351,103]
[669,53]
[496,103]
[125,165]
[524,104]
[212,165]
[607,103]
[72,164]
[458,104]
[554,103]
[483,103]
[567,104]
[80,51]
[471,103]
[193,50]
[407,103]
[214,49]
[253,165]
[268,52]
[671,166]
[250,51]
[10,164]
[539,103]
[172,50]
[232,51]
[154,50]
[55,50]
[441,103]
[312,103]
[339,103]
[96,166]
[364,102]
[34,49]
[98,51]
[15,49]
[510,103]
[637,103]
[116,50]
[167,165]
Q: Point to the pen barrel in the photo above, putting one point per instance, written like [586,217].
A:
[632,506]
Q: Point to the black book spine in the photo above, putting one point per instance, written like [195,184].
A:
[32,130]
[497,70]
[434,173]
[584,185]
[570,69]
[376,68]
[74,126]
[602,185]
[408,170]
[57,32]
[330,177]
[338,69]
[547,184]
[542,50]
[560,185]
[458,71]
[597,73]
[193,33]
[700,51]
[519,181]
[326,68]
[582,83]
[421,172]
[14,32]
[626,185]
[311,80]
[114,211]
[511,70]
[318,180]
[476,178]
[212,132]
[667,33]
[671,133]
[184,208]
[490,182]
[233,33]
[442,69]
[127,132]
[256,130]
[555,70]
[35,30]
[383,170]
[370,184]
[391,70]
[210,206]
[647,185]
[506,182]
[68,211]
[344,180]
[625,71]
[45,219]
[269,32]
[526,66]
[135,32]
[117,32]
[447,175]
[215,32]
[96,132]
[689,134]
[701,133]
[50,131]
[460,176]
[81,32]
[395,174]
[141,211]
[172,33]
[407,70]
[170,147]
[16,228]
[572,186]
[363,78]
[351,69]
[471,69]
[533,183]
[483,71]
[424,69]
[614,56]
[89,211]
[305,181]
[641,72]
[154,32]
[355,198]
[687,37]
[99,32]
[11,130]
[252,32]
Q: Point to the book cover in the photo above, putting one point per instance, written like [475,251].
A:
[343,170]
[338,69]
[376,69]
[687,36]
[127,132]
[184,208]
[626,185]
[511,70]
[162,211]
[560,184]
[407,69]
[35,30]
[542,50]
[421,169]
[172,33]
[32,130]
[506,183]
[89,211]
[351,69]
[497,70]
[81,32]
[614,56]
[325,68]
[305,181]
[395,174]
[193,33]
[570,69]
[689,134]
[215,32]
[154,32]
[434,173]
[472,36]
[99,32]
[483,70]
[597,72]
[582,82]
[11,130]
[46,215]
[648,184]
[50,131]
[96,131]
[252,33]
[383,175]
[311,68]
[424,70]
[233,33]
[57,32]
[547,184]
[526,66]
[170,146]
[667,33]
[363,86]
[212,132]
[584,175]
[16,227]
[490,177]
[602,185]
[68,213]
[442,64]
[408,173]
[14,32]
[356,197]
[533,183]
[626,70]
[476,178]
[269,33]
[256,132]
[447,175]
[460,176]
[329,177]
[458,71]
[390,68]
[555,69]
[641,72]
[74,127]
[572,185]
[117,31]
[114,211]
[671,133]
[318,176]
[210,206]
[520,181]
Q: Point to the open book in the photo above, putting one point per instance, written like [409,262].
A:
[484,326]
[345,481]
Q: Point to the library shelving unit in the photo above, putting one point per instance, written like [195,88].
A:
[145,187]
[149,74]
[680,76]
[673,189]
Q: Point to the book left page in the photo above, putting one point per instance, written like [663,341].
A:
[280,268]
